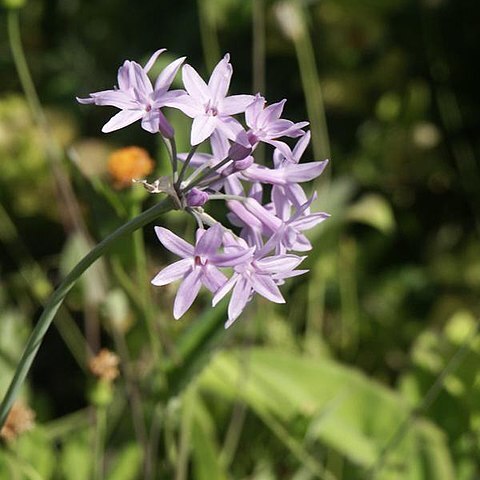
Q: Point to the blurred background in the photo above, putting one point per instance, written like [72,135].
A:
[371,369]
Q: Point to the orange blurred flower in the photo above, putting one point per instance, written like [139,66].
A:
[105,365]
[126,164]
[19,420]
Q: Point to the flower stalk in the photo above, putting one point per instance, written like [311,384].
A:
[35,340]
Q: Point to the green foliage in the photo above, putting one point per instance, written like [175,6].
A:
[327,406]
[370,370]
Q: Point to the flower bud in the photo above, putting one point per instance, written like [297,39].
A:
[196,198]
[238,151]
[165,127]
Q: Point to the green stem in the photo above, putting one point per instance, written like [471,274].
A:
[311,86]
[208,35]
[58,296]
[185,166]
[258,51]
[100,431]
[22,67]
[143,282]
[207,174]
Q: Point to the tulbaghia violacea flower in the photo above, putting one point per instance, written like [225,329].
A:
[199,265]
[268,224]
[286,233]
[137,98]
[209,105]
[258,275]
[267,126]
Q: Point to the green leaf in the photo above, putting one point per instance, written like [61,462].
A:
[92,283]
[206,455]
[372,209]
[128,464]
[343,409]
[77,457]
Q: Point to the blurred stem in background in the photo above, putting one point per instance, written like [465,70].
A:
[347,282]
[143,281]
[57,298]
[291,18]
[258,50]
[208,33]
[462,150]
[133,394]
[100,434]
[426,402]
[258,59]
[71,216]
[40,287]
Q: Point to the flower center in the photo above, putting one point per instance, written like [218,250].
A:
[211,109]
[253,137]
[199,261]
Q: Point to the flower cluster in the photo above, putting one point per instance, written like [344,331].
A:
[258,257]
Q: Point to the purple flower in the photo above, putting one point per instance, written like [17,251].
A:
[287,174]
[196,198]
[208,105]
[257,275]
[284,232]
[198,265]
[137,98]
[267,126]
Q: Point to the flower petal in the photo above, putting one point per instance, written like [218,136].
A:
[194,84]
[271,114]
[229,127]
[174,243]
[238,301]
[278,263]
[267,288]
[113,98]
[152,60]
[185,103]
[87,101]
[122,119]
[225,288]
[155,121]
[309,221]
[232,258]
[268,219]
[173,272]
[167,75]
[140,80]
[301,146]
[210,241]
[125,76]
[253,111]
[202,128]
[187,293]
[220,79]
[213,278]
[235,104]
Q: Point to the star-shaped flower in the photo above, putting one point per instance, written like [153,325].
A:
[259,275]
[199,264]
[209,105]
[137,98]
